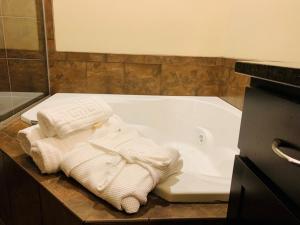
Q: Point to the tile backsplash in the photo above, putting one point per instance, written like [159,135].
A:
[141,74]
[22,44]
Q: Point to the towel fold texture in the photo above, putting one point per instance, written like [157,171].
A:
[28,136]
[48,153]
[109,176]
[159,161]
[72,115]
[114,161]
[91,167]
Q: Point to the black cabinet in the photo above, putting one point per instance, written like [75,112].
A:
[266,119]
[19,195]
[4,199]
[265,185]
[253,202]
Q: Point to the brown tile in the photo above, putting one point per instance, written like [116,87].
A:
[77,56]
[208,90]
[153,59]
[162,210]
[21,33]
[1,7]
[229,63]
[19,8]
[177,79]
[53,55]
[2,47]
[123,58]
[49,19]
[51,45]
[4,78]
[68,77]
[181,79]
[28,75]
[39,10]
[200,61]
[89,57]
[14,127]
[138,59]
[39,53]
[9,145]
[234,96]
[105,77]
[236,80]
[56,56]
[97,57]
[224,75]
[142,79]
[24,54]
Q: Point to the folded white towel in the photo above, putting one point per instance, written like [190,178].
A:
[129,189]
[93,168]
[112,160]
[108,176]
[160,162]
[73,114]
[28,136]
[48,153]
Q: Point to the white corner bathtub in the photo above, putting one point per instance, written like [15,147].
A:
[204,130]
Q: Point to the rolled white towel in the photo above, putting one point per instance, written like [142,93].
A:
[108,176]
[48,153]
[72,115]
[129,189]
[28,136]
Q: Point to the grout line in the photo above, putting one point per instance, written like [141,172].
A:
[6,56]
[20,17]
[46,47]
[23,59]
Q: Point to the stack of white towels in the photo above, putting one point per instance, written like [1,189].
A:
[87,141]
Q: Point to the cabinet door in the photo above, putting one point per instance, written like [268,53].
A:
[4,200]
[23,194]
[267,117]
[252,202]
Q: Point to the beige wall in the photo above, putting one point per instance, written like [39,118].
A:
[264,30]
[249,29]
[153,27]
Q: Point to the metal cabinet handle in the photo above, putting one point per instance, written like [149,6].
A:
[276,149]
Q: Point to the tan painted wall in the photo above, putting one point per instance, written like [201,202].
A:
[248,29]
[267,30]
[155,27]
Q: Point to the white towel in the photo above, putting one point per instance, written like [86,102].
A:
[108,176]
[73,114]
[160,162]
[111,160]
[129,189]
[28,136]
[91,167]
[48,153]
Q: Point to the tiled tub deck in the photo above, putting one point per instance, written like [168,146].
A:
[33,198]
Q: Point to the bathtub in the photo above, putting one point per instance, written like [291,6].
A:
[204,130]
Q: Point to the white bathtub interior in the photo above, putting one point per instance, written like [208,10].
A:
[204,129]
[11,101]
